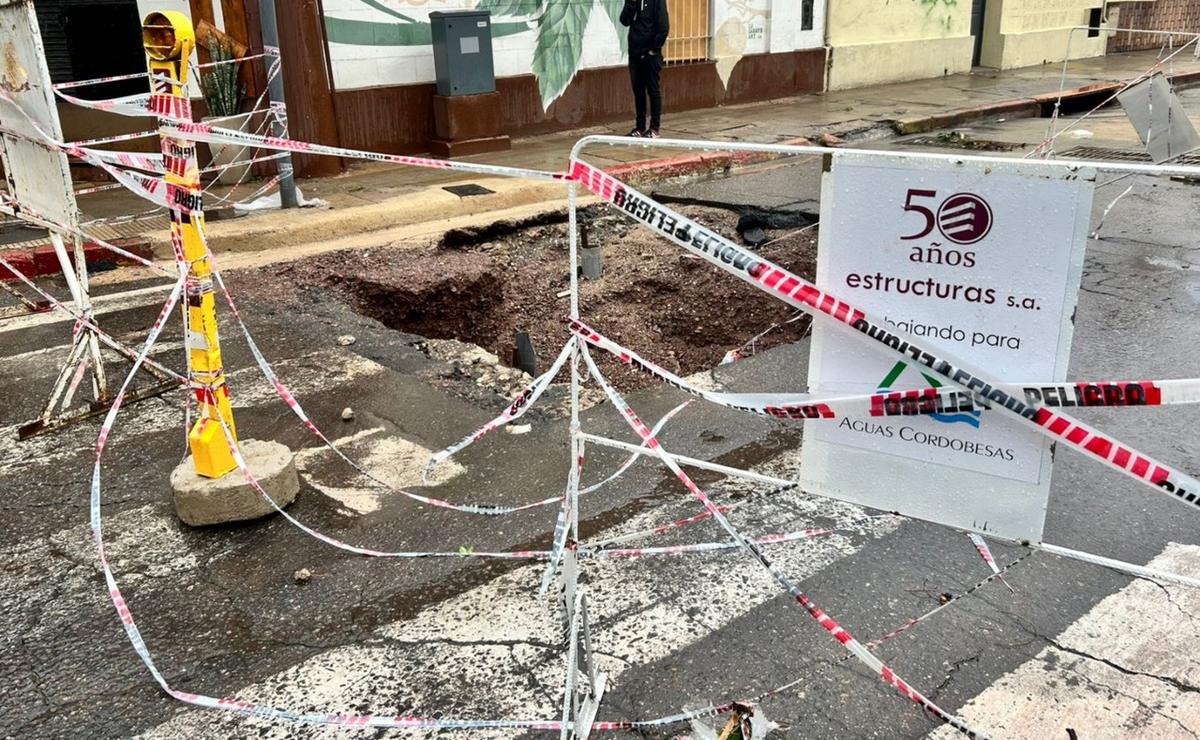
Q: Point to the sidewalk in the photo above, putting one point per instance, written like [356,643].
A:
[372,196]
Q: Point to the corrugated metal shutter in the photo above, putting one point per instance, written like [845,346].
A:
[92,38]
[51,16]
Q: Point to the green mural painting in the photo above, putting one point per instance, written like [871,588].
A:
[559,25]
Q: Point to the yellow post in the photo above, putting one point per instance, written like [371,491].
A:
[168,38]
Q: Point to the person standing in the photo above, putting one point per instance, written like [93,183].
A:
[648,26]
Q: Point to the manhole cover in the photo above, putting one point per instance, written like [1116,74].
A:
[470,188]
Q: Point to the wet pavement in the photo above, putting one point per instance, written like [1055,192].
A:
[223,613]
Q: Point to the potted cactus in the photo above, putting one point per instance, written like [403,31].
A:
[223,93]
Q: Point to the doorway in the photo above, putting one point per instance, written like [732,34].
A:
[977,15]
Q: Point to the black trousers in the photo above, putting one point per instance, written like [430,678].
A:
[643,73]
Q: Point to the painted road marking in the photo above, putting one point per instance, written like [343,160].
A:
[306,376]
[1126,669]
[101,304]
[495,651]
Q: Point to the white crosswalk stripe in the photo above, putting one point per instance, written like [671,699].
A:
[1126,669]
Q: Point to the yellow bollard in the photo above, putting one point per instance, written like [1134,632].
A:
[168,39]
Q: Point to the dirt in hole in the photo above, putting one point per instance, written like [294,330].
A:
[654,298]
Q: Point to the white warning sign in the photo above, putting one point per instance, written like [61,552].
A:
[981,260]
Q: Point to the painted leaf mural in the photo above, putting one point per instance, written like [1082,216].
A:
[559,25]
[559,45]
[511,8]
[613,8]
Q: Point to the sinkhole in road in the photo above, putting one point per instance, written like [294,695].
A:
[482,285]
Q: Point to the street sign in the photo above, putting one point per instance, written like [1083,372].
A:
[981,260]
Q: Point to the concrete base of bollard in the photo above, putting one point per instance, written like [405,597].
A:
[200,501]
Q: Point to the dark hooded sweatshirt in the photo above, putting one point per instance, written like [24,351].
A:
[648,25]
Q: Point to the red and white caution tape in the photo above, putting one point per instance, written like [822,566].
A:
[515,410]
[801,293]
[945,603]
[633,457]
[770,539]
[827,622]
[152,189]
[207,133]
[126,105]
[1114,393]
[290,400]
[116,138]
[239,706]
[98,80]
[98,189]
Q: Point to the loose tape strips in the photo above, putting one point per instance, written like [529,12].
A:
[827,622]
[356,720]
[175,121]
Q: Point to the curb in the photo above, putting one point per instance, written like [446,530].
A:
[40,261]
[688,165]
[430,204]
[1031,107]
[1018,108]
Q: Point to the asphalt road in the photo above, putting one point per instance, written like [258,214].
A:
[223,614]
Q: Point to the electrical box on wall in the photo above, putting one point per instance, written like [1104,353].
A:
[462,52]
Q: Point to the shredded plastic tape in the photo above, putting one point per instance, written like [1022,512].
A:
[741,262]
[827,622]
[175,120]
[240,706]
[150,188]
[985,552]
[205,132]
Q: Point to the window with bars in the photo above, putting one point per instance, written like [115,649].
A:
[688,39]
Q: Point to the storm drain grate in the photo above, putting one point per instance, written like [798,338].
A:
[1104,154]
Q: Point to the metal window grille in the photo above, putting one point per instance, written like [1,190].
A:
[806,15]
[689,37]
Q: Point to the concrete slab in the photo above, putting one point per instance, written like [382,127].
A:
[201,501]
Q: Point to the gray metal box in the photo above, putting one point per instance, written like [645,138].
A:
[462,52]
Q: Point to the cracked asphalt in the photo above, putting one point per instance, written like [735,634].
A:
[1077,648]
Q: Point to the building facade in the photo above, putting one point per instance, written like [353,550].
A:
[1155,15]
[562,63]
[872,42]
[360,73]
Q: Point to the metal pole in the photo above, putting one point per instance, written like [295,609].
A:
[270,37]
[168,37]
